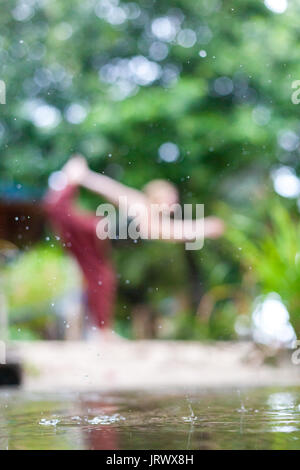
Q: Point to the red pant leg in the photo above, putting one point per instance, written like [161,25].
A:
[101,293]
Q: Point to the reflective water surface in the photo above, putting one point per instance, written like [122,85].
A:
[266,418]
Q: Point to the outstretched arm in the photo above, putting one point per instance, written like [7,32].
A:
[77,169]
[77,172]
[111,190]
[181,230]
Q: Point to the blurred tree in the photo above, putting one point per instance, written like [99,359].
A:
[195,92]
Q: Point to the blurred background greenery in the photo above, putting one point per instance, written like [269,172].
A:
[198,92]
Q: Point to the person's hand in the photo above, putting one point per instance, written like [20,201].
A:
[213,227]
[75,169]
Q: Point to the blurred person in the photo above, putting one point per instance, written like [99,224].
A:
[155,195]
[77,229]
[80,230]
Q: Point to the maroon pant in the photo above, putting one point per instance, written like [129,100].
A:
[77,230]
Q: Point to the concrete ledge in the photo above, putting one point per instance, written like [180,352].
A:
[142,365]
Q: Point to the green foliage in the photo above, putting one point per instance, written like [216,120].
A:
[63,53]
[34,284]
[50,273]
[57,54]
[271,258]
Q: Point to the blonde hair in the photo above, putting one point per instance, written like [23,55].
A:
[157,185]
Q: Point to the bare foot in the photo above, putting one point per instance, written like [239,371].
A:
[106,335]
[111,335]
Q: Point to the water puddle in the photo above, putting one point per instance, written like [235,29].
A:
[231,419]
